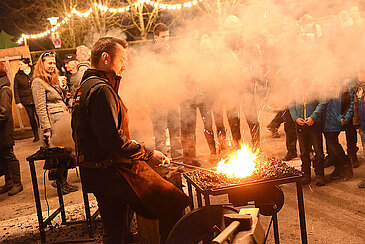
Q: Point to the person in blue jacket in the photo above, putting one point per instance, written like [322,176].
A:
[339,112]
[306,110]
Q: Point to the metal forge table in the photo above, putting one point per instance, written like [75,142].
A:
[247,191]
[61,210]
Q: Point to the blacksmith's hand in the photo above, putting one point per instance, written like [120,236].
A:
[158,158]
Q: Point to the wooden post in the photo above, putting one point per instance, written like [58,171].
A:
[10,76]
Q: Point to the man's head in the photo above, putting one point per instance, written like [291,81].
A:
[108,54]
[71,63]
[161,35]
[83,53]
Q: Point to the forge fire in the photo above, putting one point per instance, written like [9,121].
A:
[266,168]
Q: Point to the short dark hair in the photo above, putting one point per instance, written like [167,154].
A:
[25,60]
[105,44]
[160,27]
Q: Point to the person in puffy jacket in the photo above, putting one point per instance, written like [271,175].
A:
[339,112]
[306,108]
[8,161]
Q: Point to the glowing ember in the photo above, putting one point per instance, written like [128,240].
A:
[239,164]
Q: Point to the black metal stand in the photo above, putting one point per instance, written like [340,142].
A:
[225,190]
[43,223]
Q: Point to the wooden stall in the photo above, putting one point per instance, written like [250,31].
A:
[11,57]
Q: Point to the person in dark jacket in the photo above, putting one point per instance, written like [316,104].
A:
[339,112]
[23,93]
[8,160]
[100,130]
[283,116]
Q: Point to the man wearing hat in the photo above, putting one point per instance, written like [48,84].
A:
[71,67]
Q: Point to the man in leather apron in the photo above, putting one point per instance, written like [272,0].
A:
[110,162]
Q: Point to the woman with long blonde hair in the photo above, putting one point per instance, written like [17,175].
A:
[49,92]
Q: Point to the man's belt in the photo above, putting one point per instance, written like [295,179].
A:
[93,165]
[102,164]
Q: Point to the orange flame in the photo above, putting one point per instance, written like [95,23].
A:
[239,164]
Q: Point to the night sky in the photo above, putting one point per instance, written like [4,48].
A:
[8,22]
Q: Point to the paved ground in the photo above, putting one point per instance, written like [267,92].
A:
[335,213]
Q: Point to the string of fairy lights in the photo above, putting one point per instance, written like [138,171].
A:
[100,7]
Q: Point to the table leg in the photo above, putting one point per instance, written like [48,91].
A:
[199,198]
[88,214]
[60,200]
[276,228]
[37,200]
[190,191]
[207,199]
[303,228]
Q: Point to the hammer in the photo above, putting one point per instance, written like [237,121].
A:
[237,222]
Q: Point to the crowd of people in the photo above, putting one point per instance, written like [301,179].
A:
[89,89]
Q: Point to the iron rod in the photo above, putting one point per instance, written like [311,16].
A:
[192,166]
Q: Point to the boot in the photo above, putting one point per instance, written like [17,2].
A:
[307,179]
[336,173]
[8,180]
[274,133]
[347,172]
[320,180]
[354,161]
[5,188]
[14,170]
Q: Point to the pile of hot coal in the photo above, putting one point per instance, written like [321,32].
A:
[267,168]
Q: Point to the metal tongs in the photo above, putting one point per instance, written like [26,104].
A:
[188,166]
